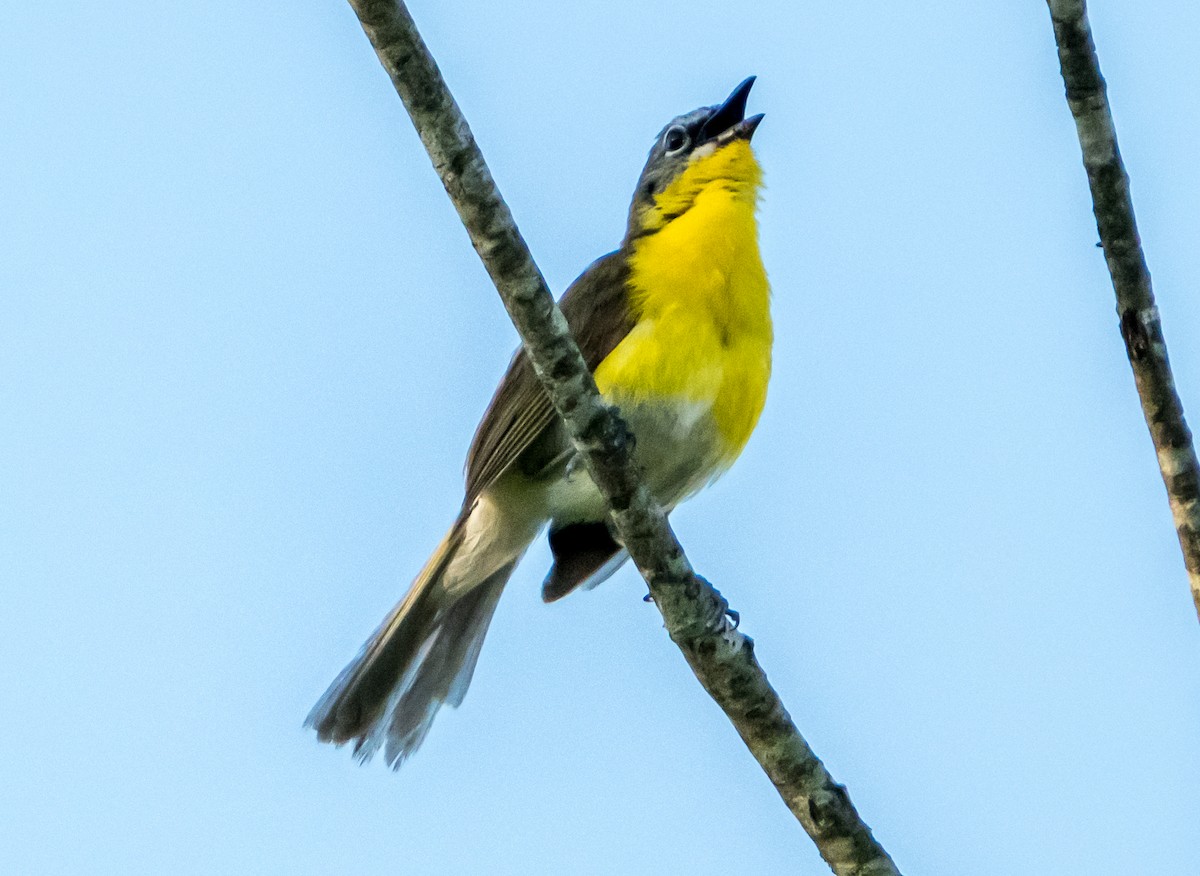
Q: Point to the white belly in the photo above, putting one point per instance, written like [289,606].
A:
[676,446]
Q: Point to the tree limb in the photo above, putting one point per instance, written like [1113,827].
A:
[694,612]
[1141,326]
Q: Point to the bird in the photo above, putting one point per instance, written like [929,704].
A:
[676,327]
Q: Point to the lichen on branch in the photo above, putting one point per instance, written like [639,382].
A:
[695,614]
[1138,317]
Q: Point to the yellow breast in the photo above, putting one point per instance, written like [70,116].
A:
[700,294]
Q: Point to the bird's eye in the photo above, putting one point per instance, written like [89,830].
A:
[675,139]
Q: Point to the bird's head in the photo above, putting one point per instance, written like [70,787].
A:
[707,147]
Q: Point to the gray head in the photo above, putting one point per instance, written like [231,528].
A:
[679,141]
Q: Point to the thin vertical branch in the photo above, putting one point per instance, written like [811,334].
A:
[1140,323]
[695,614]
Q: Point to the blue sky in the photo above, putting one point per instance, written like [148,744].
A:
[244,341]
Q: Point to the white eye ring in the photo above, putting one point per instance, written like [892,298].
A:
[675,139]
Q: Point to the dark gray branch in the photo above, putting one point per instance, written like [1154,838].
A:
[1140,324]
[695,613]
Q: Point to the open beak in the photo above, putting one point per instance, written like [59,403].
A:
[728,121]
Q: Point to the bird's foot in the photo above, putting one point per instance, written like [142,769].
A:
[719,619]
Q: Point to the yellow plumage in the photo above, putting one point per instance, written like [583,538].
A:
[703,331]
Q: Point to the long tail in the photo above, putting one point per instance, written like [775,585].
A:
[421,656]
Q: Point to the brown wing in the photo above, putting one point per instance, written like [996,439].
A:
[520,414]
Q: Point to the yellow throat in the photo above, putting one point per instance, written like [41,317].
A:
[700,298]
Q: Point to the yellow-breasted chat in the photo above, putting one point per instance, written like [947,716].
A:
[676,326]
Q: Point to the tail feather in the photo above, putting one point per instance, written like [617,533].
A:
[445,669]
[423,654]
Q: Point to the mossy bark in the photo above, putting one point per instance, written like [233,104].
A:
[696,615]
[1138,317]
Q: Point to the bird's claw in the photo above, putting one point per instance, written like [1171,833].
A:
[721,618]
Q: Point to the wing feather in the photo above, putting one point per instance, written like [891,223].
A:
[520,415]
